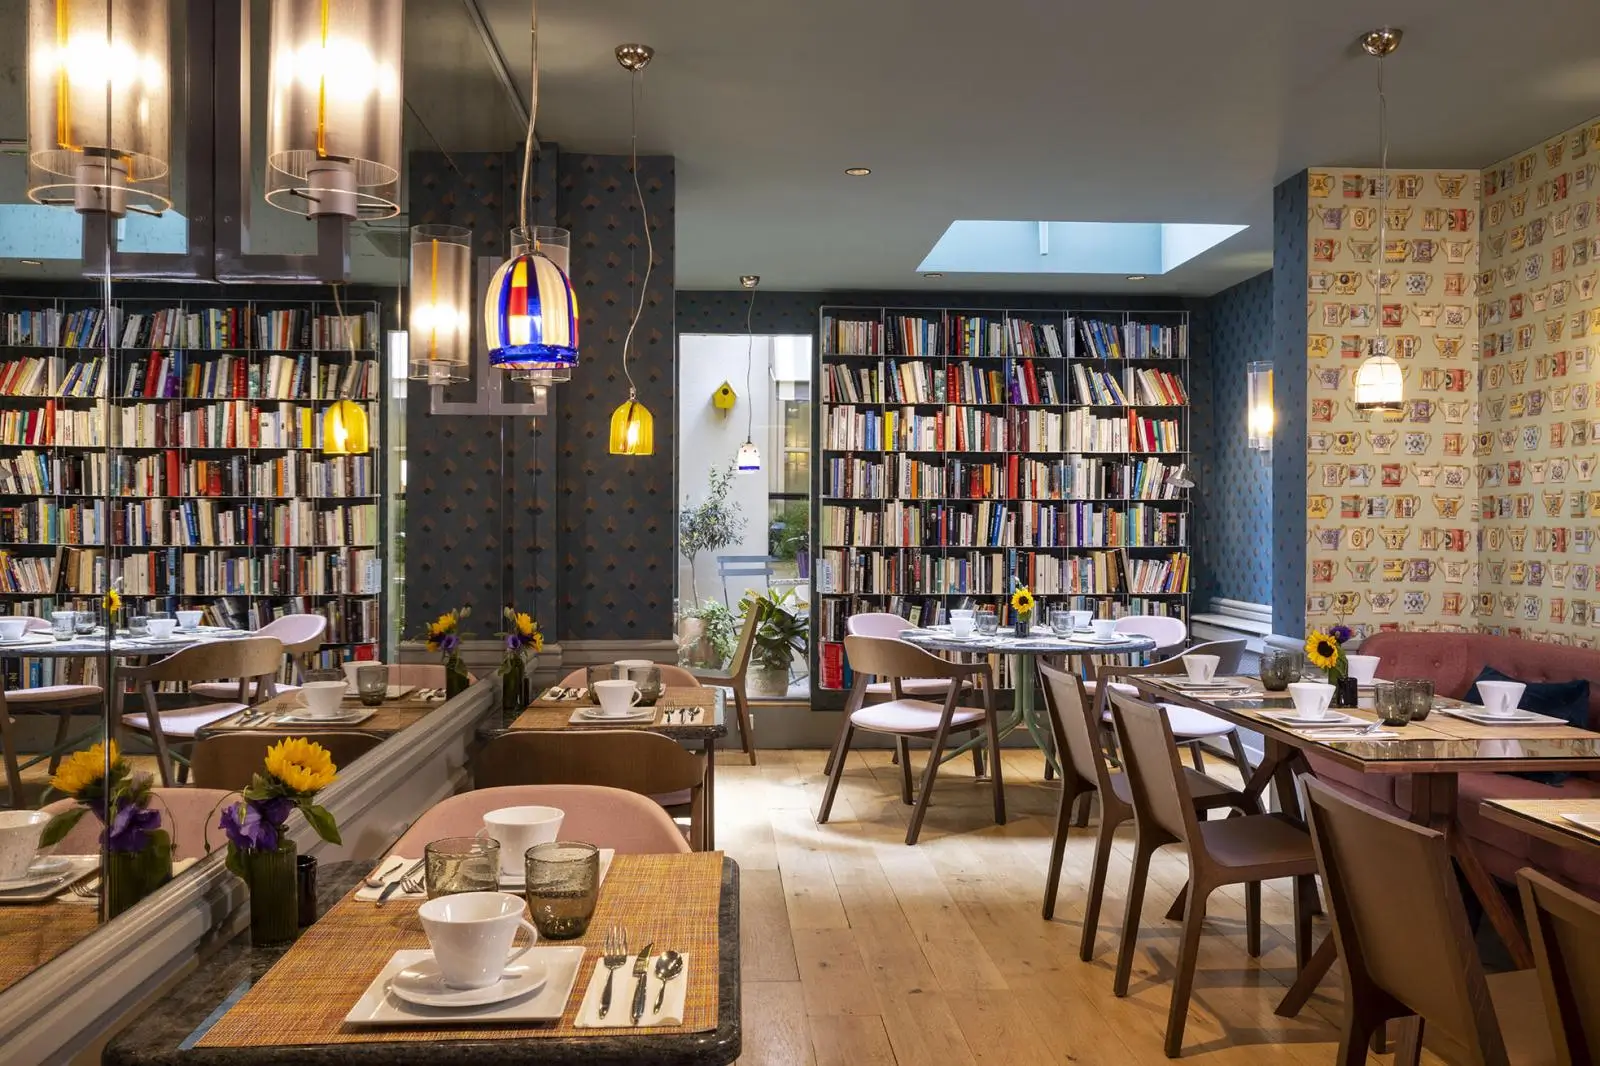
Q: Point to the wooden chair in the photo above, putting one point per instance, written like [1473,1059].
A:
[248,659]
[733,679]
[300,634]
[903,719]
[228,760]
[605,817]
[636,761]
[675,676]
[1233,851]
[1084,773]
[1565,930]
[61,700]
[1402,933]
[1189,726]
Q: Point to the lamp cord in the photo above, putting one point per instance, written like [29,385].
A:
[527,146]
[635,85]
[749,361]
[1383,210]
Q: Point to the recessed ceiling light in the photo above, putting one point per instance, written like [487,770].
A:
[933,274]
[1136,277]
[858,172]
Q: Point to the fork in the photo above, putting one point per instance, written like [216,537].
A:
[616,955]
[86,889]
[413,883]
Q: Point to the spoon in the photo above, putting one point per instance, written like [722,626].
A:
[668,966]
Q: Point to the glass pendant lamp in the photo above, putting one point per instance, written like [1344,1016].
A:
[344,429]
[1260,418]
[1379,383]
[748,459]
[439,331]
[530,315]
[633,429]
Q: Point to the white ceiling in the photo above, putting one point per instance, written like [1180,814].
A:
[1141,110]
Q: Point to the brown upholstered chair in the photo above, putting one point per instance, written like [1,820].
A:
[733,678]
[675,676]
[1565,930]
[903,718]
[228,760]
[1402,934]
[647,763]
[1233,851]
[1084,773]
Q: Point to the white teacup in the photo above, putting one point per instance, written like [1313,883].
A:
[1201,667]
[1501,697]
[322,698]
[1364,668]
[617,697]
[471,935]
[19,841]
[1104,628]
[189,619]
[162,627]
[961,626]
[1081,619]
[13,628]
[519,828]
[1311,698]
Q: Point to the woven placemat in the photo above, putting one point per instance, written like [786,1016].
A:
[391,717]
[670,899]
[1552,812]
[31,934]
[676,696]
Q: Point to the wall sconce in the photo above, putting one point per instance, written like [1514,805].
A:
[1260,417]
[344,429]
[439,333]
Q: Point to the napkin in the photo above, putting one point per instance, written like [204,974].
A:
[621,1014]
[370,895]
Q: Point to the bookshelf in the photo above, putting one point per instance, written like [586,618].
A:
[962,449]
[174,446]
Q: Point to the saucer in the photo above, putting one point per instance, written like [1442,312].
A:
[381,1004]
[1332,718]
[422,983]
[43,869]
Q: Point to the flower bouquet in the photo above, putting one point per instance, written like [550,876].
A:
[138,851]
[522,636]
[444,637]
[1022,605]
[1326,652]
[259,850]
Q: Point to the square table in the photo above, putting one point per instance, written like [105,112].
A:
[1545,819]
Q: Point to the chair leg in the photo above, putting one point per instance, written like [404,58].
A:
[977,764]
[1354,1037]
[1408,1048]
[741,705]
[902,754]
[1097,887]
[1130,917]
[14,795]
[1058,848]
[1183,982]
[1197,756]
[63,732]
[157,736]
[1252,918]
[1080,817]
[837,772]
[921,809]
[1241,758]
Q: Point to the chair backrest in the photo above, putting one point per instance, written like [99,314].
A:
[1107,672]
[1166,632]
[647,763]
[228,760]
[604,817]
[1150,759]
[742,566]
[1564,928]
[188,814]
[886,658]
[1073,726]
[674,676]
[1229,653]
[299,633]
[740,664]
[1398,919]
[876,624]
[36,624]
[219,660]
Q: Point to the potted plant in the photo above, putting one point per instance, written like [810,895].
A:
[711,525]
[781,634]
[705,635]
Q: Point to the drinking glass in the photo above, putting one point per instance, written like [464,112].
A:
[372,682]
[461,864]
[1392,706]
[1417,694]
[1279,668]
[62,623]
[138,625]
[563,882]
[988,622]
[1061,623]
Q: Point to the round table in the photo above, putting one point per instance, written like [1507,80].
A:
[1023,650]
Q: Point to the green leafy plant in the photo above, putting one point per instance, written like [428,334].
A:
[790,531]
[710,525]
[782,633]
[719,627]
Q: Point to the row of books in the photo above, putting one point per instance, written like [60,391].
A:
[1014,477]
[213,328]
[1166,576]
[225,572]
[1096,573]
[229,424]
[1144,387]
[982,523]
[1132,340]
[282,377]
[1090,525]
[189,523]
[955,334]
[860,570]
[1088,432]
[301,475]
[948,429]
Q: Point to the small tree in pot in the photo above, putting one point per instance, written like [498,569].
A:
[781,634]
[709,526]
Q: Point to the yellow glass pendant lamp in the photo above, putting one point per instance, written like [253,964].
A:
[633,429]
[344,429]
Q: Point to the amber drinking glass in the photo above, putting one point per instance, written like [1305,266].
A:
[1279,669]
[563,883]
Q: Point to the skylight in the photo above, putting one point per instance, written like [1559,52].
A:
[976,246]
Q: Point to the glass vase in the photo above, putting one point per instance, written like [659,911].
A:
[132,875]
[274,892]
[511,679]
[1346,692]
[456,680]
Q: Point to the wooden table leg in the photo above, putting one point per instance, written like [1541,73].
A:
[1309,978]
[708,834]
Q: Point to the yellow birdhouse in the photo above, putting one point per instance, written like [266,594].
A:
[724,398]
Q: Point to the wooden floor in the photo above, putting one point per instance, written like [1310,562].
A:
[860,950]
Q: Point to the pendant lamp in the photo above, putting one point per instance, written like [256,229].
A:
[439,333]
[632,426]
[99,105]
[748,459]
[334,106]
[344,429]
[1379,382]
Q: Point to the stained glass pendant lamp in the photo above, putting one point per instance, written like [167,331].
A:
[633,428]
[1379,382]
[748,459]
[530,315]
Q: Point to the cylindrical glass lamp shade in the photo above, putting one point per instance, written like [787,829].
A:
[344,429]
[1259,414]
[334,107]
[439,334]
[633,430]
[99,104]
[1379,385]
[748,461]
[530,315]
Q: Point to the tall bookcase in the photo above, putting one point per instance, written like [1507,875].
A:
[184,461]
[963,452]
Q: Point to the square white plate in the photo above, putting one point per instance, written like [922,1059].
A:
[48,885]
[1332,718]
[581,716]
[377,1007]
[1590,822]
[517,884]
[1470,713]
[350,717]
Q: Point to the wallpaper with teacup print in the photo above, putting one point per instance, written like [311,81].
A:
[1538,440]
[1391,498]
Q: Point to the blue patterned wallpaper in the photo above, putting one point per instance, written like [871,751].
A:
[1289,206]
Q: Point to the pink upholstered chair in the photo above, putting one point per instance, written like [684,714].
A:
[60,700]
[189,814]
[422,675]
[1168,633]
[300,634]
[605,817]
[890,626]
[675,676]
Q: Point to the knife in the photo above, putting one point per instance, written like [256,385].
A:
[641,975]
[392,886]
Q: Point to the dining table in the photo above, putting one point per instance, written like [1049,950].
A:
[1041,642]
[285,713]
[1568,823]
[1433,753]
[287,1005]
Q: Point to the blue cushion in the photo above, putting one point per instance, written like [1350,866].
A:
[1567,700]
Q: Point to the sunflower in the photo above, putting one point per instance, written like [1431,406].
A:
[1022,600]
[83,769]
[301,765]
[113,600]
[1323,651]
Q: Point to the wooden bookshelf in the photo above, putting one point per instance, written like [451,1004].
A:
[960,450]
[176,447]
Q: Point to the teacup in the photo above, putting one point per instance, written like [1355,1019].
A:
[519,828]
[1364,668]
[1311,698]
[961,626]
[616,697]
[1201,667]
[471,935]
[1104,628]
[13,628]
[350,667]
[1501,697]
[322,698]
[162,627]
[1081,619]
[19,841]
[189,619]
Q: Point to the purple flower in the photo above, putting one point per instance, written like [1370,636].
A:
[130,829]
[448,643]
[1341,633]
[260,824]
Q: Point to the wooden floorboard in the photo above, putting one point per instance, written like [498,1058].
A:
[861,950]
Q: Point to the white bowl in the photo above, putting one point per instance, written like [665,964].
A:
[1104,628]
[1501,697]
[19,841]
[13,628]
[1312,699]
[322,698]
[162,627]
[1201,667]
[1364,668]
